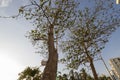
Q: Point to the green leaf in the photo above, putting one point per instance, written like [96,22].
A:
[56,2]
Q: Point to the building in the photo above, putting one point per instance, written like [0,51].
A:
[117,1]
[115,67]
[113,75]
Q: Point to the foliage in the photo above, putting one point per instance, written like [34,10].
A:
[73,75]
[104,77]
[91,32]
[94,25]
[33,73]
[51,19]
[43,14]
[30,73]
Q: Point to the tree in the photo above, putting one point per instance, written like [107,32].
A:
[104,77]
[65,77]
[84,74]
[30,74]
[81,75]
[92,30]
[89,77]
[51,19]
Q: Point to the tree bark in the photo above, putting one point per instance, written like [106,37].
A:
[50,71]
[90,59]
[93,68]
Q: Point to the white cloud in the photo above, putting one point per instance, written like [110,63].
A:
[5,3]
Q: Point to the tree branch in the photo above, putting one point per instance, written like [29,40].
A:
[40,7]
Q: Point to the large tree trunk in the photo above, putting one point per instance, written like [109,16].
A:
[50,71]
[93,68]
[90,59]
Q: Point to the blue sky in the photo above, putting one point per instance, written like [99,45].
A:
[17,52]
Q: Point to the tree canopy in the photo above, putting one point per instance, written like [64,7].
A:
[30,73]
[51,18]
[91,31]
